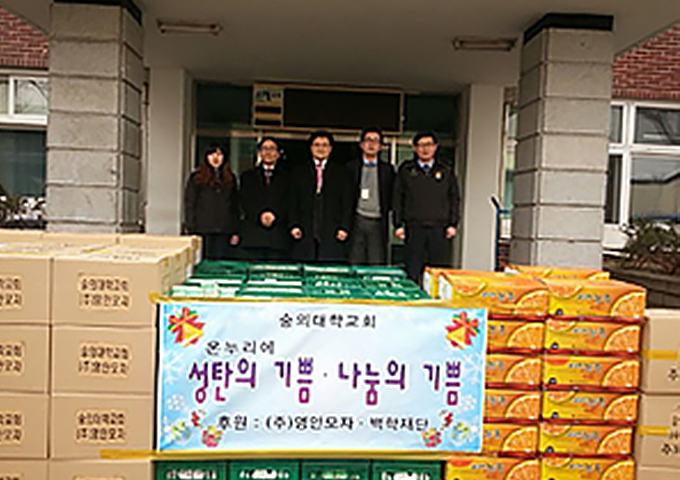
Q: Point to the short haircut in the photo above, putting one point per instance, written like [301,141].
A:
[321,134]
[368,130]
[419,136]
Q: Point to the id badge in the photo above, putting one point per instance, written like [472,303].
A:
[365,193]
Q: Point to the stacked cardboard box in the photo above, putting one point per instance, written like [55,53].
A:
[657,448]
[77,350]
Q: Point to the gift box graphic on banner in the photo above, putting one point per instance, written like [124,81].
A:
[247,375]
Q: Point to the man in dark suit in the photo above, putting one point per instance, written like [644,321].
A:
[426,207]
[265,205]
[321,209]
[372,181]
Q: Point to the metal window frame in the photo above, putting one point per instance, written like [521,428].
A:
[11,118]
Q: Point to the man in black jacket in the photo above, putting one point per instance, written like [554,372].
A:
[426,206]
[321,212]
[372,181]
[265,204]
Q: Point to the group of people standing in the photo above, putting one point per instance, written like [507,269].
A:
[324,211]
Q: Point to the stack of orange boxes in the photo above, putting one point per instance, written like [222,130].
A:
[590,377]
[517,309]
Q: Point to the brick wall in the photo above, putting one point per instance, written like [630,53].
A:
[651,70]
[21,45]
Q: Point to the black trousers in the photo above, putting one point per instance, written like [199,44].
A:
[426,246]
[366,242]
[216,246]
[263,254]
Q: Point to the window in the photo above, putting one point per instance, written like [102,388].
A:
[655,188]
[22,162]
[612,207]
[4,96]
[615,123]
[657,126]
[24,100]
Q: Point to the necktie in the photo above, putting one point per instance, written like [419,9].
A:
[319,177]
[268,176]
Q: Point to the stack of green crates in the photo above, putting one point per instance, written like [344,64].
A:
[298,470]
[222,279]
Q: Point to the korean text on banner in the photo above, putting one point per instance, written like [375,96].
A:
[241,376]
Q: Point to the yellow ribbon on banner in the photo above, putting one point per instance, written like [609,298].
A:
[671,355]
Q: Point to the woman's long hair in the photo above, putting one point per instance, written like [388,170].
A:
[206,173]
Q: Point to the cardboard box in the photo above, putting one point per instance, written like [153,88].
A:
[661,352]
[23,470]
[585,440]
[501,404]
[539,272]
[591,372]
[502,295]
[100,470]
[25,288]
[592,337]
[587,469]
[515,335]
[110,287]
[24,358]
[113,360]
[593,407]
[82,425]
[23,426]
[657,473]
[75,238]
[509,438]
[471,467]
[658,433]
[193,243]
[595,298]
[511,369]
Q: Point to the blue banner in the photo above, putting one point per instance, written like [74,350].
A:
[253,376]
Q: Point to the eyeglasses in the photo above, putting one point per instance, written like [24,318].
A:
[321,145]
[371,140]
[425,144]
[268,149]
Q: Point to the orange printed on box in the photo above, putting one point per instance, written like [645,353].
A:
[585,440]
[613,373]
[511,404]
[538,271]
[590,298]
[501,294]
[514,335]
[585,336]
[590,406]
[587,469]
[510,438]
[492,468]
[512,369]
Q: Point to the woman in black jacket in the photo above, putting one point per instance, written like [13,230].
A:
[265,201]
[211,205]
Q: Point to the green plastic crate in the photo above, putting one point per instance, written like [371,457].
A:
[180,470]
[222,266]
[332,281]
[336,470]
[379,271]
[272,292]
[276,268]
[264,470]
[396,470]
[312,270]
[337,292]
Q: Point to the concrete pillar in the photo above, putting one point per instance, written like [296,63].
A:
[560,178]
[170,148]
[482,149]
[94,130]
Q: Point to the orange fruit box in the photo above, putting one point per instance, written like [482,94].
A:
[508,295]
[492,468]
[586,336]
[592,298]
[587,469]
[510,438]
[513,369]
[590,406]
[514,335]
[511,404]
[538,271]
[609,373]
[585,440]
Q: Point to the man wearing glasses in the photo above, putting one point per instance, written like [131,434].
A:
[426,207]
[321,209]
[372,181]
